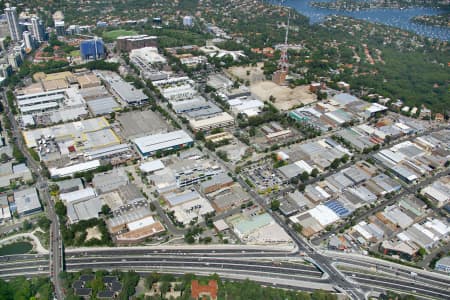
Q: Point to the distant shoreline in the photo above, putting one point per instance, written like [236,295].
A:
[352,5]
[441,20]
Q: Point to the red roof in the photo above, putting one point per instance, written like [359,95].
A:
[198,291]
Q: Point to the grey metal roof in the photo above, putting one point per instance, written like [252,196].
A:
[103,106]
[356,174]
[444,261]
[69,185]
[210,109]
[290,170]
[218,179]
[176,199]
[109,181]
[130,193]
[129,217]
[84,210]
[26,200]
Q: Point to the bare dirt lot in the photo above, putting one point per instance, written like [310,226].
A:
[252,74]
[93,233]
[285,97]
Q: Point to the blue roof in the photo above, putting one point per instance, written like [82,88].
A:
[338,208]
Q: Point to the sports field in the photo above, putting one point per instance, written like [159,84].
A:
[114,34]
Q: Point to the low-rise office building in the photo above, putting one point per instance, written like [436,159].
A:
[27,202]
[128,43]
[217,121]
[151,144]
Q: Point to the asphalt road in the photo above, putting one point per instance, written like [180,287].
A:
[268,268]
[403,285]
[42,186]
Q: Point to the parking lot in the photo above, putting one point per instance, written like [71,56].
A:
[130,207]
[263,176]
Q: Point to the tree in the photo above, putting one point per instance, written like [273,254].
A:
[304,176]
[200,136]
[345,158]
[60,209]
[44,223]
[18,155]
[301,187]
[26,225]
[334,164]
[151,279]
[164,288]
[252,131]
[298,227]
[422,252]
[34,154]
[275,205]
[314,172]
[129,281]
[106,210]
[189,239]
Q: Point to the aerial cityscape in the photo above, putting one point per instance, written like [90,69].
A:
[223,149]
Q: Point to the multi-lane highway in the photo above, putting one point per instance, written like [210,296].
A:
[269,267]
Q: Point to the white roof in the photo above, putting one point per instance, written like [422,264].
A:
[403,236]
[361,230]
[78,195]
[161,141]
[283,155]
[149,54]
[68,171]
[436,194]
[43,99]
[147,221]
[396,157]
[38,107]
[28,120]
[425,231]
[323,215]
[402,126]
[251,112]
[322,192]
[221,225]
[376,107]
[151,166]
[438,226]
[304,166]
[247,104]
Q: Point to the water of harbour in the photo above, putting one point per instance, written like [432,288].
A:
[400,18]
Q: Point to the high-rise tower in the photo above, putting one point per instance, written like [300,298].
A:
[13,23]
[279,77]
[28,40]
[38,29]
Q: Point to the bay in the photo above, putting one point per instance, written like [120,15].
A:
[400,18]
